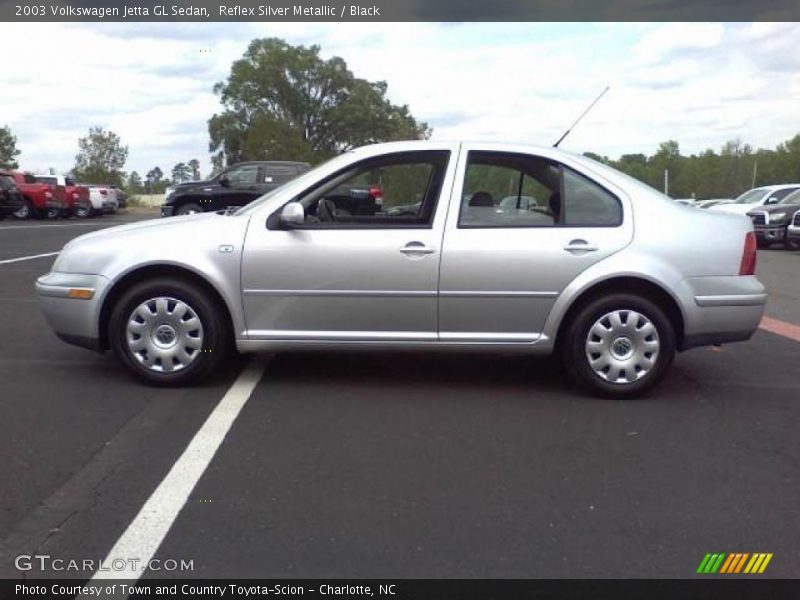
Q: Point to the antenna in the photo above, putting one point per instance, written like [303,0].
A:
[578,120]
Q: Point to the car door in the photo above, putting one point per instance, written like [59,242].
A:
[505,263]
[341,276]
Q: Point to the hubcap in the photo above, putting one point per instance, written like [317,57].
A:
[622,346]
[164,334]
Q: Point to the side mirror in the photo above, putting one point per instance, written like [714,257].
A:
[772,200]
[293,214]
[224,182]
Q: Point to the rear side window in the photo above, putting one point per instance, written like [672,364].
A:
[586,204]
[503,190]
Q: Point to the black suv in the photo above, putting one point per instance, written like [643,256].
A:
[10,197]
[235,186]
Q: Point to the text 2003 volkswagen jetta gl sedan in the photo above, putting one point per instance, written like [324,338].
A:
[478,246]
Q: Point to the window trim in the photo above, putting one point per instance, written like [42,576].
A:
[435,190]
[559,224]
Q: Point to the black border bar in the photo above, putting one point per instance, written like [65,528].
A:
[275,11]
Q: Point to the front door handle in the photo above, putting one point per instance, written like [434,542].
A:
[416,249]
[580,247]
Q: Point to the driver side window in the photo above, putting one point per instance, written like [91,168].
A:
[398,190]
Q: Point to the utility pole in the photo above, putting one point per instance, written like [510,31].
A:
[755,172]
[666,182]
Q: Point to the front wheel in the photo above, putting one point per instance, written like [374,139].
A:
[168,332]
[189,209]
[82,212]
[25,211]
[619,346]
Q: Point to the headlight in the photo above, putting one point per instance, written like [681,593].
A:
[777,217]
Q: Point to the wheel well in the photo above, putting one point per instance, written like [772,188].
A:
[144,273]
[629,285]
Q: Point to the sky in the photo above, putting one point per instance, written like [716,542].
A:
[701,84]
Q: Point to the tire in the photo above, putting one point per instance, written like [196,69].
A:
[82,212]
[189,208]
[52,213]
[25,211]
[630,359]
[153,311]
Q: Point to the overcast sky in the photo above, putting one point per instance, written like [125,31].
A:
[700,83]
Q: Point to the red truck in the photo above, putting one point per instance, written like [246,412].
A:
[77,196]
[39,199]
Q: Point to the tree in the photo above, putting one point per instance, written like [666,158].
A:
[285,102]
[154,180]
[8,149]
[100,158]
[194,167]
[181,172]
[134,183]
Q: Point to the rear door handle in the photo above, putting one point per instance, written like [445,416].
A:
[416,249]
[580,247]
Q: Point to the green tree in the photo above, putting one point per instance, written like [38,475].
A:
[285,102]
[194,167]
[134,183]
[155,180]
[101,157]
[181,172]
[8,149]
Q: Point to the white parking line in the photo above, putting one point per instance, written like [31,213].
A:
[31,257]
[147,530]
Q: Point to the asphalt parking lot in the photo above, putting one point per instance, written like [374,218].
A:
[400,465]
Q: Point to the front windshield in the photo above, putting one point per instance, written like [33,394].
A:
[299,182]
[751,197]
[793,198]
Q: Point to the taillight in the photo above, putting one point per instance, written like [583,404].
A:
[748,266]
[74,195]
[48,195]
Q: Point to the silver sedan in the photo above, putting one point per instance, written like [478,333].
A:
[587,263]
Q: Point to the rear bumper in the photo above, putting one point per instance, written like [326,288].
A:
[722,310]
[75,321]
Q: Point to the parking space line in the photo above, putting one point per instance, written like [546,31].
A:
[31,257]
[144,535]
[782,328]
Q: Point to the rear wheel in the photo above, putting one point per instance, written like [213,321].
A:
[82,212]
[52,213]
[189,208]
[619,346]
[168,332]
[25,211]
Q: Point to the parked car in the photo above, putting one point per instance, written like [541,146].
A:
[760,196]
[793,230]
[38,199]
[771,222]
[77,196]
[103,199]
[235,186]
[600,278]
[11,199]
[712,202]
[122,197]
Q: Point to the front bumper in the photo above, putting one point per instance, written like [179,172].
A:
[73,319]
[167,210]
[793,232]
[770,233]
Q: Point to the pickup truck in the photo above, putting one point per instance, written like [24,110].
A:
[235,186]
[38,199]
[77,196]
[103,199]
